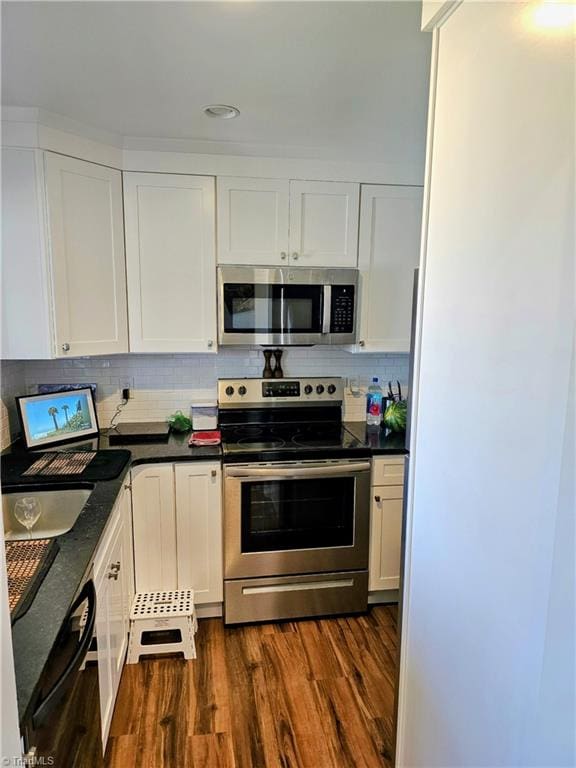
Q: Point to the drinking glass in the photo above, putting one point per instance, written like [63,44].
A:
[27,511]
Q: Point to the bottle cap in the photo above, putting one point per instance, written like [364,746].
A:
[375,379]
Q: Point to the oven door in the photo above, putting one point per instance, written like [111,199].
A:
[296,518]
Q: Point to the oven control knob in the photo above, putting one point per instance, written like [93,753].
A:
[320,389]
[229,391]
[308,389]
[242,390]
[331,389]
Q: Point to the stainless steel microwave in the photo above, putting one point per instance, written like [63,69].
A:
[287,305]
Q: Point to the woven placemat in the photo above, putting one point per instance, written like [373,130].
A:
[15,469]
[67,463]
[27,562]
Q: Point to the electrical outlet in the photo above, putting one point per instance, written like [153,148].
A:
[125,384]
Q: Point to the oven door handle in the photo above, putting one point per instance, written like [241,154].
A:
[46,705]
[294,473]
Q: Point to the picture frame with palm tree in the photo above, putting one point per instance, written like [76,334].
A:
[57,417]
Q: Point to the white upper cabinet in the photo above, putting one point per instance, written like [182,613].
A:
[27,327]
[63,271]
[278,222]
[252,220]
[86,239]
[390,221]
[324,223]
[170,261]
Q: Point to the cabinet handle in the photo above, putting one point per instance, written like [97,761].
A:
[295,256]
[283,256]
[213,473]
[377,499]
[128,487]
[114,570]
[210,343]
[66,347]
[361,343]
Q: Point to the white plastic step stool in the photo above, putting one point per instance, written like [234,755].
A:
[161,612]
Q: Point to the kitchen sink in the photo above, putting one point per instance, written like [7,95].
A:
[59,511]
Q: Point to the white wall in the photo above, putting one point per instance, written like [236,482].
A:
[488,600]
[551,730]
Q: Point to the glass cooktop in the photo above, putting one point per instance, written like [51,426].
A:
[294,437]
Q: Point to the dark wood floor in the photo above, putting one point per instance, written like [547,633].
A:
[316,694]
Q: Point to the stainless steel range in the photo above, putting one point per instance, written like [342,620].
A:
[296,501]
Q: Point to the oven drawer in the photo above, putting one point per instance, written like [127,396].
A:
[291,597]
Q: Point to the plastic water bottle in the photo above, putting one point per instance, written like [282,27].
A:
[374,400]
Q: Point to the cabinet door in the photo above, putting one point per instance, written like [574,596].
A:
[27,323]
[154,523]
[86,238]
[390,221]
[252,220]
[199,524]
[324,224]
[385,537]
[170,259]
[110,576]
[128,565]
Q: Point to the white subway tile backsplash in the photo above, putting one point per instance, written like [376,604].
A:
[13,384]
[161,384]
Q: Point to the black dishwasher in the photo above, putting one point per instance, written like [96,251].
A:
[64,726]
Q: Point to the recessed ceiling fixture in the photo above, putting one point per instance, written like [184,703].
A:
[223,111]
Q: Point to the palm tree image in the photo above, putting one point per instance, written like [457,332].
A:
[65,409]
[53,411]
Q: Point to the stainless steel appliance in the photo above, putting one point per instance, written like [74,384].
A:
[63,726]
[286,305]
[296,501]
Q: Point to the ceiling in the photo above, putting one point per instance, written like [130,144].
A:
[348,77]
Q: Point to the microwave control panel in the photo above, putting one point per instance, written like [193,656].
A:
[342,309]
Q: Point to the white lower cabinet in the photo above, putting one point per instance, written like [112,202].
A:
[154,523]
[386,524]
[199,530]
[114,588]
[177,519]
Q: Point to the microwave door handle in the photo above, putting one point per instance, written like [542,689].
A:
[294,473]
[326,308]
[53,696]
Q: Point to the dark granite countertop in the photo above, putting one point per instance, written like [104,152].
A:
[175,449]
[35,632]
[378,440]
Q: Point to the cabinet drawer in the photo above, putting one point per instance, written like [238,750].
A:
[388,471]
